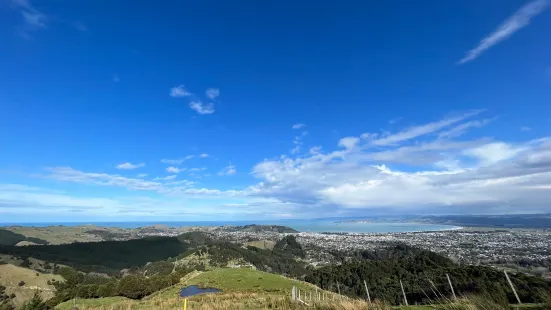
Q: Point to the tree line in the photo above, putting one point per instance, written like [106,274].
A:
[423,274]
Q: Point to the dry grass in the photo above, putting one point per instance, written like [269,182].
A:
[11,275]
[237,301]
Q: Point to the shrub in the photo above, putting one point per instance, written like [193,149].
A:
[21,283]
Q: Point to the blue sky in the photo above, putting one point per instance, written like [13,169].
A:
[217,110]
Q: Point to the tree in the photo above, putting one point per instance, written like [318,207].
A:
[35,303]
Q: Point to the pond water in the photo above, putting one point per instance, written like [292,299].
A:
[194,290]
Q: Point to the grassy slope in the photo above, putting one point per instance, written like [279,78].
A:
[263,244]
[11,275]
[242,289]
[57,234]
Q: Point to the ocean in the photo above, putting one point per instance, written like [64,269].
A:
[315,226]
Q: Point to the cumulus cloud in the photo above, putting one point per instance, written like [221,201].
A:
[422,168]
[202,108]
[517,21]
[130,166]
[179,92]
[212,93]
[452,175]
[228,170]
[175,169]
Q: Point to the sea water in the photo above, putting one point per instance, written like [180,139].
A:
[314,226]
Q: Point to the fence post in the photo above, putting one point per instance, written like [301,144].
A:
[512,286]
[404,293]
[367,291]
[338,288]
[451,286]
[294,293]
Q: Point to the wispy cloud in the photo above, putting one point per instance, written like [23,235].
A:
[130,166]
[462,128]
[80,26]
[201,108]
[525,128]
[204,155]
[298,126]
[417,131]
[179,91]
[33,19]
[517,21]
[176,161]
[228,170]
[212,93]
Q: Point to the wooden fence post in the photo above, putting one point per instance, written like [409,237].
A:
[512,286]
[367,291]
[451,286]
[404,293]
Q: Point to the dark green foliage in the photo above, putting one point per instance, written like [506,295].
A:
[35,303]
[289,245]
[383,270]
[106,257]
[8,237]
[21,283]
[157,268]
[25,263]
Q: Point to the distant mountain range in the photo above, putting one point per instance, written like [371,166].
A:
[498,220]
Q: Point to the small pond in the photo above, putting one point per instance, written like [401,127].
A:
[194,290]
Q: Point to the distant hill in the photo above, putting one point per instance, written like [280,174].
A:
[500,220]
[289,245]
[259,228]
[8,237]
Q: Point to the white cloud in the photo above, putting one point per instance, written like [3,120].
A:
[349,142]
[525,128]
[197,169]
[175,169]
[204,155]
[176,161]
[517,21]
[33,19]
[493,152]
[228,170]
[298,126]
[315,150]
[417,131]
[502,175]
[167,178]
[426,174]
[179,92]
[212,93]
[130,166]
[462,128]
[142,175]
[201,108]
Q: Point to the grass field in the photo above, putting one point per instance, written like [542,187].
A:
[262,244]
[11,275]
[57,234]
[248,289]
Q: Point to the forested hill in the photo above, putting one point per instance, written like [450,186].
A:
[383,270]
[260,228]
